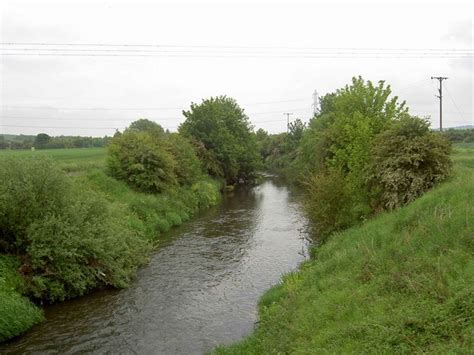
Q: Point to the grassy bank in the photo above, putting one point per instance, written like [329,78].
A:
[401,282]
[85,258]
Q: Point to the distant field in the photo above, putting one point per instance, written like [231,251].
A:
[74,159]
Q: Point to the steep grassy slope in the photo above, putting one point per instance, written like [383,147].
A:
[402,282]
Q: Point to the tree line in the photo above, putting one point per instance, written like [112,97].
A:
[45,141]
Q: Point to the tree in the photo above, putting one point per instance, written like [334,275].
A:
[339,143]
[225,133]
[41,140]
[145,125]
[295,133]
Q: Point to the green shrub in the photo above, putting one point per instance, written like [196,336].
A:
[207,193]
[329,203]
[407,160]
[142,160]
[188,167]
[70,238]
[29,189]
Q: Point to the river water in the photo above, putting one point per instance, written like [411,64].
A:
[199,290]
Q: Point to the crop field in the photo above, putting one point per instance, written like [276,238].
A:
[71,160]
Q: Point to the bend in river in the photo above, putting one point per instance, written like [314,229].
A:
[199,290]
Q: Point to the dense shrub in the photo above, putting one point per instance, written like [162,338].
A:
[143,160]
[407,160]
[328,203]
[69,238]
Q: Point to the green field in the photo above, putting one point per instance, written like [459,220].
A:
[69,159]
[402,282]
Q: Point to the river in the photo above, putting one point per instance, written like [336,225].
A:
[199,290]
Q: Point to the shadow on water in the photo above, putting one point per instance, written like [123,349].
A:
[199,290]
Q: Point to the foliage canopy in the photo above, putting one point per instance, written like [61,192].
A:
[222,131]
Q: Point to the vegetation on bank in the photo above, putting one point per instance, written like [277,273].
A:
[361,154]
[392,267]
[17,313]
[68,229]
[73,233]
[399,283]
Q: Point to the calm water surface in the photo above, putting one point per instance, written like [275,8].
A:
[200,289]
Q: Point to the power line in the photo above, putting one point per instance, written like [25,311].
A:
[452,100]
[223,46]
[129,52]
[88,118]
[130,108]
[250,55]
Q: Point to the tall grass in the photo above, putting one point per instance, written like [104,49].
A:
[400,283]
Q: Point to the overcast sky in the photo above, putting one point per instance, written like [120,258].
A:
[94,95]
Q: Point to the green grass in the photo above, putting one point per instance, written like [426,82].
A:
[71,160]
[155,214]
[401,283]
[17,313]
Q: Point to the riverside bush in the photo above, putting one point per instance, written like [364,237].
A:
[407,160]
[379,155]
[142,160]
[70,239]
[152,161]
[329,202]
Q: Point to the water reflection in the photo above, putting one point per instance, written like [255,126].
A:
[199,290]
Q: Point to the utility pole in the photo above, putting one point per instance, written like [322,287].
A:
[287,120]
[440,97]
[315,103]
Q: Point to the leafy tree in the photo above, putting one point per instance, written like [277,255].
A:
[145,125]
[225,133]
[340,139]
[296,130]
[41,140]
